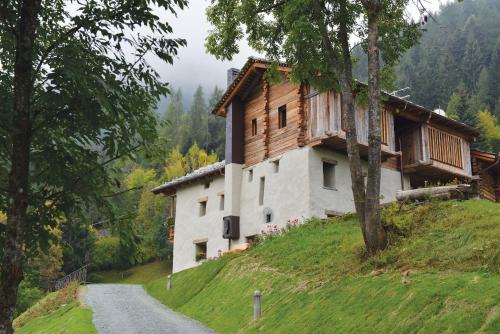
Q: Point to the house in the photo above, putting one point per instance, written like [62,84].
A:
[487,166]
[286,160]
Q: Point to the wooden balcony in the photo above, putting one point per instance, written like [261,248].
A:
[432,152]
[326,127]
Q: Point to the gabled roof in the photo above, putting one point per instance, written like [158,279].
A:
[256,66]
[253,66]
[173,185]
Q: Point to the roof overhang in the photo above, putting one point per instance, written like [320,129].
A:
[207,172]
[249,74]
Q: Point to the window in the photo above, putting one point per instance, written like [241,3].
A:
[200,251]
[221,202]
[282,116]
[254,127]
[250,175]
[269,218]
[207,185]
[328,175]
[276,166]
[261,190]
[203,208]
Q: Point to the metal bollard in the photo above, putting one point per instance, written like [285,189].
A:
[256,305]
[169,282]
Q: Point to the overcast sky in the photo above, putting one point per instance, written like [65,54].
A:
[196,67]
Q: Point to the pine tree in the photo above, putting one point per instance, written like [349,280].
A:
[216,126]
[484,93]
[198,127]
[462,108]
[173,116]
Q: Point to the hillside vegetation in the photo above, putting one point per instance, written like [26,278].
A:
[57,313]
[442,274]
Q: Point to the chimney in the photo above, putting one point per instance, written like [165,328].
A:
[232,73]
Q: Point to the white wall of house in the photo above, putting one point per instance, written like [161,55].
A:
[339,198]
[293,190]
[285,192]
[190,227]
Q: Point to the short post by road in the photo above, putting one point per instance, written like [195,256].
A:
[169,282]
[257,310]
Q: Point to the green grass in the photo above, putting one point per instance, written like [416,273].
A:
[70,318]
[443,276]
[58,312]
[141,274]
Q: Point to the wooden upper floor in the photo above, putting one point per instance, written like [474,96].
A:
[285,116]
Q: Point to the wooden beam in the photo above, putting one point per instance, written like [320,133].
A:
[265,93]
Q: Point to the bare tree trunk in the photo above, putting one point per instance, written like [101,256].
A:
[349,108]
[366,200]
[11,272]
[375,233]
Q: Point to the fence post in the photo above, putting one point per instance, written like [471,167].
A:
[169,282]
[256,305]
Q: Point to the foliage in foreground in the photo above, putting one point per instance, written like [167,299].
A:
[441,275]
[51,303]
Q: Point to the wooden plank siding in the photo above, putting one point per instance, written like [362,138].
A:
[445,147]
[325,119]
[271,141]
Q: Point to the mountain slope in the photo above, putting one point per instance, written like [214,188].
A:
[444,275]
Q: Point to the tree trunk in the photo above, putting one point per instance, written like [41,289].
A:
[11,272]
[349,108]
[375,233]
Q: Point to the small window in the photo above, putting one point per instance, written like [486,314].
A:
[261,190]
[328,175]
[203,208]
[250,175]
[276,166]
[207,185]
[269,218]
[221,203]
[254,127]
[200,251]
[282,116]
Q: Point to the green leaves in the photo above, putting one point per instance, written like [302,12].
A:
[94,94]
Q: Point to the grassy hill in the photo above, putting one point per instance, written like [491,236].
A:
[136,275]
[442,274]
[57,313]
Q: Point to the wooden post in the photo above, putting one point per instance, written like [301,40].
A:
[169,282]
[256,305]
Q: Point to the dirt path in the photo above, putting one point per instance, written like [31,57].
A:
[128,309]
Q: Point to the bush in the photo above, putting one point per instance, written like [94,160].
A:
[106,254]
[27,295]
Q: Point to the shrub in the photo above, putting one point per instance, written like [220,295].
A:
[27,295]
[106,253]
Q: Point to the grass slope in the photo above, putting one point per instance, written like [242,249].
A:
[57,313]
[136,275]
[443,276]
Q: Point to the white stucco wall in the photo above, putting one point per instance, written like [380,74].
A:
[295,191]
[340,199]
[189,226]
[285,193]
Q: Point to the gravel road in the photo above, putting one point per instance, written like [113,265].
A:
[128,309]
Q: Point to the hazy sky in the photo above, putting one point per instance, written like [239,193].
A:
[195,67]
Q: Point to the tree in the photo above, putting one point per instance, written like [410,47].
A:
[174,116]
[198,127]
[491,130]
[216,127]
[461,107]
[72,103]
[314,37]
